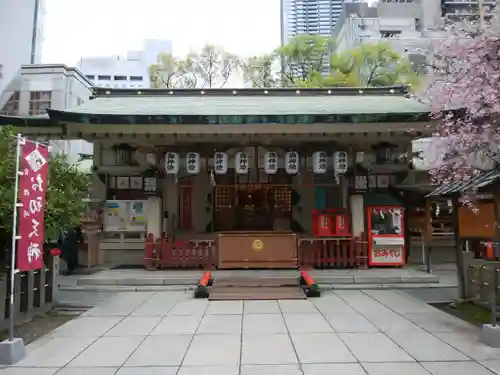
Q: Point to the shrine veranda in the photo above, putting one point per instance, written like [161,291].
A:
[252,172]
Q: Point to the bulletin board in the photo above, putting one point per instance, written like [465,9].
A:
[480,224]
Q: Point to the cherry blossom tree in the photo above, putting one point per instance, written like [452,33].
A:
[465,98]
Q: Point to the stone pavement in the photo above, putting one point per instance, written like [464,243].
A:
[348,332]
[139,277]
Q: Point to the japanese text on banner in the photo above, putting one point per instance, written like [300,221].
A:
[32,189]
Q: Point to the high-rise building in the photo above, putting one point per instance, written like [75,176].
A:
[21,36]
[454,9]
[313,17]
[130,71]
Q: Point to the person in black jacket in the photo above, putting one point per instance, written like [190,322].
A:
[69,248]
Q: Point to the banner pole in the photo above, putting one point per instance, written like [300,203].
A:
[14,239]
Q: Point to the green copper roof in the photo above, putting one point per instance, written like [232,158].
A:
[206,105]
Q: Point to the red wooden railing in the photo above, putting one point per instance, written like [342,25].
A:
[165,253]
[317,252]
[314,252]
[151,257]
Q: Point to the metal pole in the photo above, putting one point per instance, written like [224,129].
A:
[428,259]
[34,35]
[13,271]
[480,5]
[494,297]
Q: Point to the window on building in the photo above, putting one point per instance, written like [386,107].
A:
[39,102]
[104,78]
[136,78]
[90,76]
[11,107]
[390,34]
[79,101]
[120,78]
[418,24]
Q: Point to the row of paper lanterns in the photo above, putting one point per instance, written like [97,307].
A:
[271,162]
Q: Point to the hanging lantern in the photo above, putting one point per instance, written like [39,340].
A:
[271,162]
[320,162]
[220,163]
[292,162]
[171,163]
[383,152]
[360,157]
[340,162]
[151,158]
[241,162]
[192,163]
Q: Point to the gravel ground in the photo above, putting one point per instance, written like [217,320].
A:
[40,325]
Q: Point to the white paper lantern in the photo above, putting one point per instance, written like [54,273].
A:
[241,162]
[340,162]
[292,162]
[192,163]
[271,162]
[151,158]
[320,162]
[220,163]
[171,163]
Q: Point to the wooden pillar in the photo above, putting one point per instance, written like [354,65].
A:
[458,250]
[427,233]
[496,200]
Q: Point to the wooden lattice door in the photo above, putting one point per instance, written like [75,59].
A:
[224,208]
[282,207]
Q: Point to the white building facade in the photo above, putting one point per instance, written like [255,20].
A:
[38,87]
[129,71]
[21,36]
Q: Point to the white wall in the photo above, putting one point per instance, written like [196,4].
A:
[16,33]
[134,64]
[68,88]
[355,31]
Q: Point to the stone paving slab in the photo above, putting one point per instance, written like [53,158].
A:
[140,278]
[345,332]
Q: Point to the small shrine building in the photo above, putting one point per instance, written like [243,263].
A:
[253,172]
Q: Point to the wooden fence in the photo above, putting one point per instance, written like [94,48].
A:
[317,252]
[312,253]
[35,292]
[179,254]
[482,282]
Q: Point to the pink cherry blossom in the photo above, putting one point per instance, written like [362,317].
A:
[465,98]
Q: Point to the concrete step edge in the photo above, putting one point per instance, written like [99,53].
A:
[164,288]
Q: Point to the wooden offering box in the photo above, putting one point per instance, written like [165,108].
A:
[257,250]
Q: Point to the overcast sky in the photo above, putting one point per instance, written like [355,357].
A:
[75,28]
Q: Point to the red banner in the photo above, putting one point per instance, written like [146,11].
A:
[32,187]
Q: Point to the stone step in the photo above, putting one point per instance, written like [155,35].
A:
[258,282]
[255,293]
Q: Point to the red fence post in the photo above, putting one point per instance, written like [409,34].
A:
[165,260]
[213,253]
[352,252]
[149,252]
[364,250]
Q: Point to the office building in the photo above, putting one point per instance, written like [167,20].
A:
[453,9]
[303,17]
[409,26]
[129,71]
[21,36]
[37,87]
